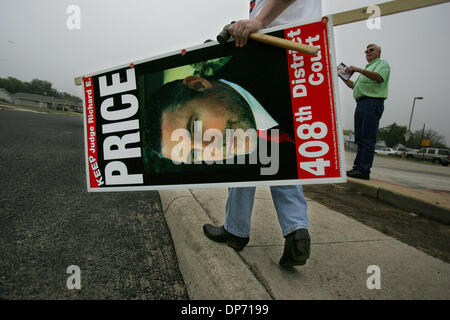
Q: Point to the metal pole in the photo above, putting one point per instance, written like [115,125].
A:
[423,133]
[410,119]
[412,111]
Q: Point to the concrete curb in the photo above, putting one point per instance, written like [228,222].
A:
[396,198]
[342,250]
[210,271]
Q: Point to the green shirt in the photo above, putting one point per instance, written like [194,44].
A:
[365,87]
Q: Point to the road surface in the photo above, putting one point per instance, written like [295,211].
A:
[48,221]
[410,173]
[120,241]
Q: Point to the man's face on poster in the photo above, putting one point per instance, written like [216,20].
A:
[200,116]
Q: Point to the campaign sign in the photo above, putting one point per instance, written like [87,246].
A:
[217,116]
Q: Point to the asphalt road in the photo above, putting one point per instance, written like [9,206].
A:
[48,221]
[410,173]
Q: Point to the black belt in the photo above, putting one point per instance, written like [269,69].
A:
[364,98]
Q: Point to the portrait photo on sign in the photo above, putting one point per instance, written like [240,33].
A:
[210,120]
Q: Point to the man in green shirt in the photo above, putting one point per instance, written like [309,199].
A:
[370,90]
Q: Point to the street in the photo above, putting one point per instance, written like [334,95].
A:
[409,173]
[48,221]
[120,241]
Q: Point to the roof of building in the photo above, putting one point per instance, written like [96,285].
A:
[3,89]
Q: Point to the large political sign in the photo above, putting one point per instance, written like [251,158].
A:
[216,115]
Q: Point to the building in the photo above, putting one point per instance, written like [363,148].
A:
[5,96]
[45,102]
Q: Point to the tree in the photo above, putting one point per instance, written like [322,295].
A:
[392,135]
[436,140]
[13,85]
[41,87]
[348,132]
[36,86]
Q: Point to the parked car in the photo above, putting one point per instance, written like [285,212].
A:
[385,151]
[398,151]
[409,153]
[438,156]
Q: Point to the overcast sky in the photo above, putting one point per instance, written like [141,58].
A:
[35,42]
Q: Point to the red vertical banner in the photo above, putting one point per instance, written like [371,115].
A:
[91,134]
[313,104]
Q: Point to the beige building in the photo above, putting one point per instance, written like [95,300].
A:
[41,101]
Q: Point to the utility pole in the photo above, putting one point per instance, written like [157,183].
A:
[423,132]
[410,119]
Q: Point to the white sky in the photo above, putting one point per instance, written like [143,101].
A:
[36,43]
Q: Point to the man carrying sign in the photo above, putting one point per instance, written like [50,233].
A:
[289,201]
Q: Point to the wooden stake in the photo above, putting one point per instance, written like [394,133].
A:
[283,43]
[387,8]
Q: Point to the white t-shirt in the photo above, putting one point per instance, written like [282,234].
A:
[298,11]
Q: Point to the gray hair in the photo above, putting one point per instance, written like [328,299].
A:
[375,45]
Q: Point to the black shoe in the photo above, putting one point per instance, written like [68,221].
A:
[351,171]
[359,175]
[296,248]
[219,234]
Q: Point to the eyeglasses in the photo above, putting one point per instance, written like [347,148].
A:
[369,50]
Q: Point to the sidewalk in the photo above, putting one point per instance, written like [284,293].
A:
[434,205]
[430,196]
[342,249]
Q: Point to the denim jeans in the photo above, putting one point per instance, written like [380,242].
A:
[367,118]
[289,201]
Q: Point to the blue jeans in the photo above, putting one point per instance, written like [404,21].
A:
[289,201]
[367,118]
